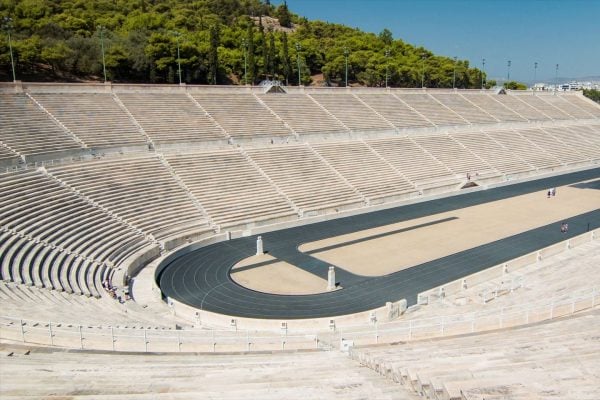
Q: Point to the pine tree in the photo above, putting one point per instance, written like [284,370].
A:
[285,58]
[272,55]
[283,14]
[213,55]
[251,60]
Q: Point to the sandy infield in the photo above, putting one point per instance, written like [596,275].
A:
[278,277]
[455,231]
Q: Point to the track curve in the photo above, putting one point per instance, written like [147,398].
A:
[200,278]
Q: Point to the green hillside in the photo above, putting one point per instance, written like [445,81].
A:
[61,41]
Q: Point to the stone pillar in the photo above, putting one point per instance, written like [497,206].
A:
[331,279]
[259,246]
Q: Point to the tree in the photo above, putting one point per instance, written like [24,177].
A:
[251,60]
[593,94]
[64,35]
[283,14]
[213,55]
[514,85]
[272,55]
[386,37]
[285,58]
[57,55]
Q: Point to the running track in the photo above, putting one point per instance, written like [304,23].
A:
[201,278]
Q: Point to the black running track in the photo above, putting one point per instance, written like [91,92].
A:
[201,278]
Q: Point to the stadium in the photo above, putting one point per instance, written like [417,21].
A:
[431,205]
[225,200]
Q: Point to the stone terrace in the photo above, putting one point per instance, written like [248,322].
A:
[169,118]
[314,375]
[95,118]
[553,360]
[28,130]
[141,191]
[237,194]
[242,115]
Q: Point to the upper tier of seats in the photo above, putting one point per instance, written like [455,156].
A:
[171,117]
[242,115]
[47,123]
[95,118]
[28,130]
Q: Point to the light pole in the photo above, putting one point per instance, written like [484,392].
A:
[508,72]
[298,48]
[422,71]
[346,53]
[7,25]
[245,45]
[535,64]
[177,34]
[454,75]
[556,78]
[482,72]
[387,56]
[102,47]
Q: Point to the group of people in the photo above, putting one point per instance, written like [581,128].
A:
[551,192]
[112,291]
[564,227]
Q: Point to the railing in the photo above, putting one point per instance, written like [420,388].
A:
[199,340]
[459,324]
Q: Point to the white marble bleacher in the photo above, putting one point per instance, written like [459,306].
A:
[95,118]
[521,108]
[354,114]
[559,278]
[552,360]
[365,170]
[583,103]
[229,188]
[418,166]
[394,110]
[55,239]
[570,136]
[294,376]
[431,109]
[169,118]
[568,107]
[241,115]
[489,103]
[538,102]
[302,114]
[308,182]
[7,156]
[464,108]
[590,134]
[524,149]
[40,305]
[142,191]
[28,130]
[560,150]
[492,152]
[457,158]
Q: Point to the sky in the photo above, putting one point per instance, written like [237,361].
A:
[549,32]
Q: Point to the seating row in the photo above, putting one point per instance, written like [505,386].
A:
[41,123]
[95,118]
[298,375]
[550,360]
[62,226]
[28,130]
